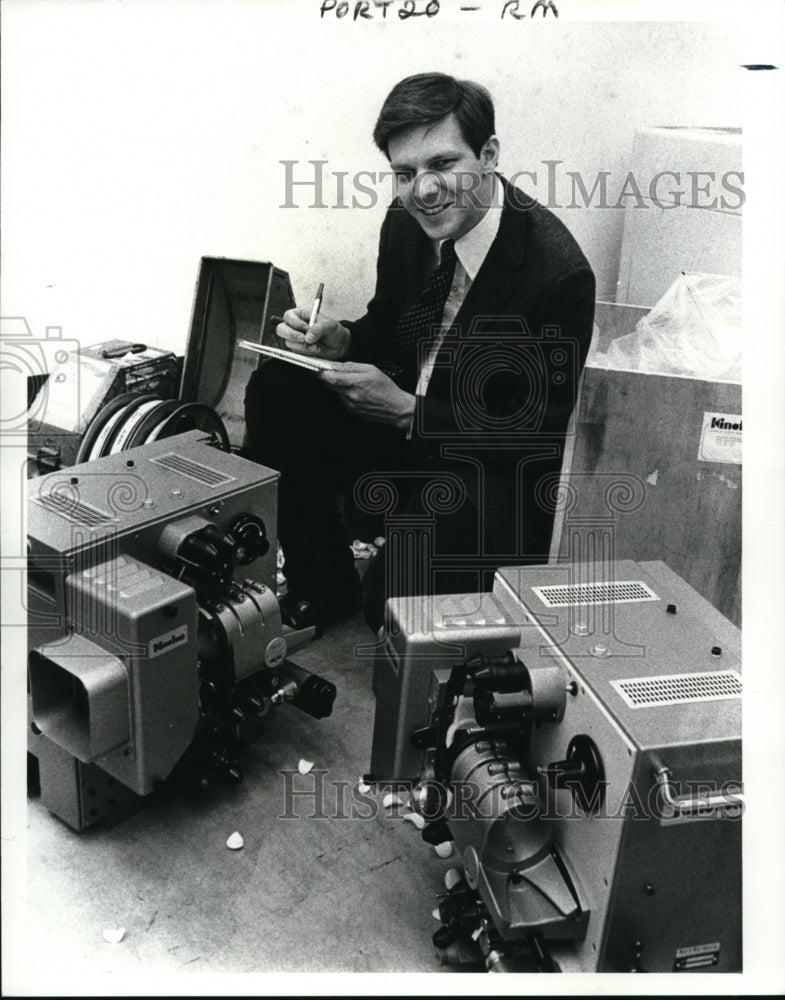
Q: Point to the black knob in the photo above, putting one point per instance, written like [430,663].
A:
[562,773]
[206,550]
[313,694]
[316,697]
[582,772]
[249,539]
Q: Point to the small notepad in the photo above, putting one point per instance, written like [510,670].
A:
[302,360]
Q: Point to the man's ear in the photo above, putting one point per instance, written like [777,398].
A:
[489,154]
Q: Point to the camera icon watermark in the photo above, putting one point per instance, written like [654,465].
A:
[505,380]
[31,368]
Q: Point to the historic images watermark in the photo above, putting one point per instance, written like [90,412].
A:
[314,796]
[310,184]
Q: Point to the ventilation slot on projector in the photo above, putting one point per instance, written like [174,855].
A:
[678,689]
[192,470]
[74,510]
[574,594]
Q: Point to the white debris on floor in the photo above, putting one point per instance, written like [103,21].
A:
[452,877]
[392,801]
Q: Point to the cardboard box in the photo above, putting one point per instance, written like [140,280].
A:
[654,472]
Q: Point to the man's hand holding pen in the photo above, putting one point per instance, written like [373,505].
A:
[364,390]
[324,338]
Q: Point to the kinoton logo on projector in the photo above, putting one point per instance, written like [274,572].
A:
[166,642]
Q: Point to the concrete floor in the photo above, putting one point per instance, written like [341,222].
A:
[331,894]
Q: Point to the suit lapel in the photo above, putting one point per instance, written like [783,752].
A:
[501,273]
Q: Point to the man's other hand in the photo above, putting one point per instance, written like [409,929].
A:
[325,339]
[369,393]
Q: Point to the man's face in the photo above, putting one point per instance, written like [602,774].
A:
[439,179]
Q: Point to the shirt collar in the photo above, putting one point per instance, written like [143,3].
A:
[472,248]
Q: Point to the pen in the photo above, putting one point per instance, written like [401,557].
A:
[317,305]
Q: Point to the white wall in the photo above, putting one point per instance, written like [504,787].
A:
[139,136]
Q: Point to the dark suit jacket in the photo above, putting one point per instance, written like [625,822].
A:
[505,378]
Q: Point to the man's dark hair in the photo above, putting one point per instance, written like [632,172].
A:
[426,98]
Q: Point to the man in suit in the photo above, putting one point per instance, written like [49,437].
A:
[449,399]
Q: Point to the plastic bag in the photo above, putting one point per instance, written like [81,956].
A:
[695,329]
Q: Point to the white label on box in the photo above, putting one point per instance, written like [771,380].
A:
[720,438]
[697,949]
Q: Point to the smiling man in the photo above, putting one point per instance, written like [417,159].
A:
[456,386]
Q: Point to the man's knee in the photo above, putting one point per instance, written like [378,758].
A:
[285,407]
[274,384]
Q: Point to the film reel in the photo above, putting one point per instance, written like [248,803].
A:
[133,419]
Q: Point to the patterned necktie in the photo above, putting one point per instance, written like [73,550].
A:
[424,313]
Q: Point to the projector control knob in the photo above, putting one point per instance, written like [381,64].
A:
[249,539]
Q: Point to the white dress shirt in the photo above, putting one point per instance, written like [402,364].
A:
[471,250]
